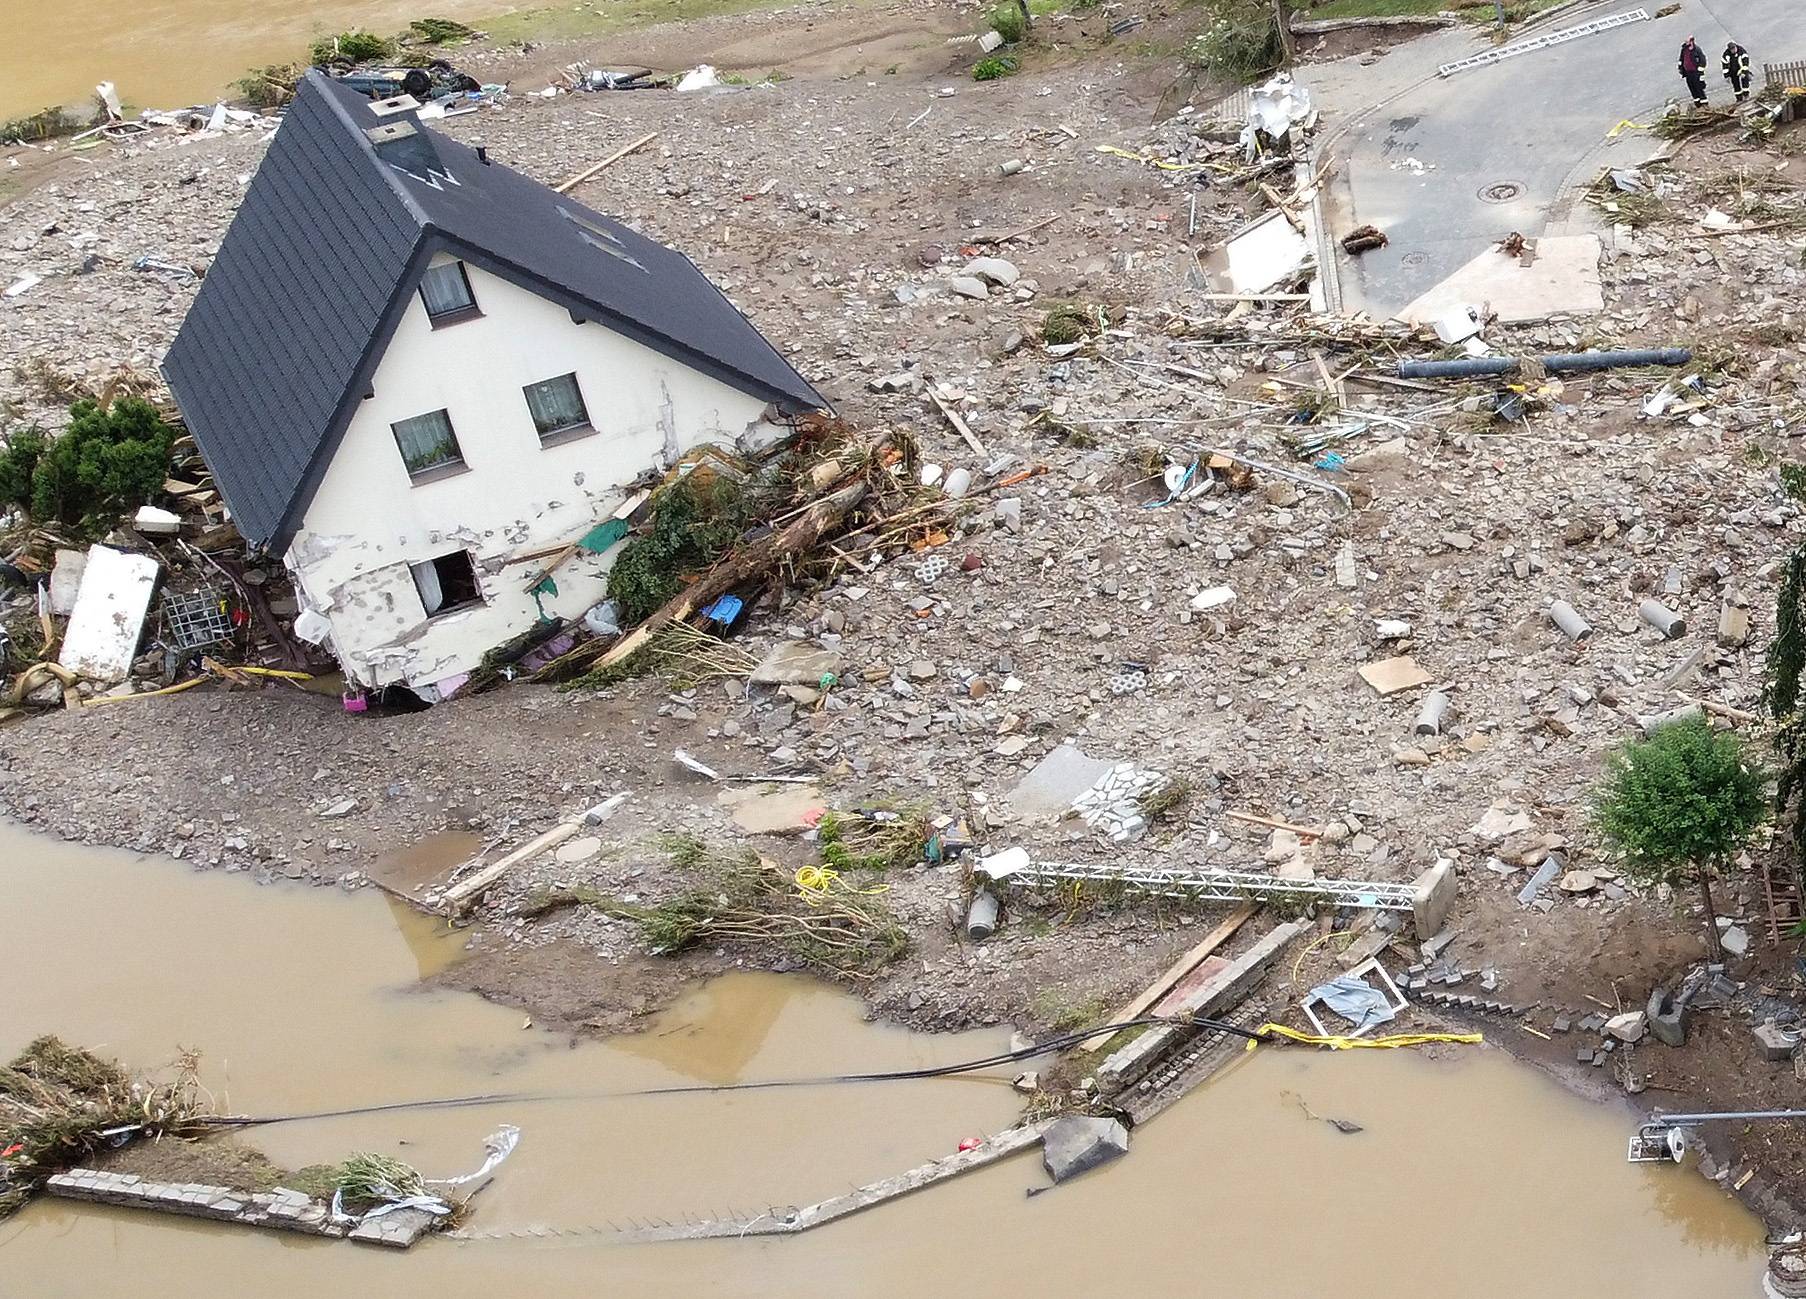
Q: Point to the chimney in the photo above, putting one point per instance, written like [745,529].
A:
[483,154]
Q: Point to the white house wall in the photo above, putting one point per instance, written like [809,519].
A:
[368,522]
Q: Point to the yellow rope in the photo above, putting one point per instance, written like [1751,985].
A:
[815,883]
[189,684]
[1372,1043]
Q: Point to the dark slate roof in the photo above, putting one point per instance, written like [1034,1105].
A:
[325,254]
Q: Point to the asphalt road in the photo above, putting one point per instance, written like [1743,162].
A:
[1456,163]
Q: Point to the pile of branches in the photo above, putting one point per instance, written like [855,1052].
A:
[59,1105]
[833,499]
[838,927]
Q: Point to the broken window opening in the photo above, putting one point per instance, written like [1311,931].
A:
[557,406]
[448,583]
[445,292]
[428,443]
[597,236]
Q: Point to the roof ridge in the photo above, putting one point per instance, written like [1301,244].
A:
[322,83]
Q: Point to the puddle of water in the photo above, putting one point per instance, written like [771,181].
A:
[418,864]
[1473,1176]
[177,52]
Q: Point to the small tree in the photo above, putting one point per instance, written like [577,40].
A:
[1678,805]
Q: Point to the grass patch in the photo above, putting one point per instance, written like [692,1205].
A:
[1059,1009]
[874,841]
[995,67]
[1008,22]
[1240,40]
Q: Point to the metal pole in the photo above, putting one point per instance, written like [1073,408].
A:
[1687,1120]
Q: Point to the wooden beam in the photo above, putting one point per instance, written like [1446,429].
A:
[1302,831]
[1178,970]
[461,895]
[959,425]
[567,186]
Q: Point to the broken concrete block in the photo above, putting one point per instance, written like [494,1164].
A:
[794,662]
[969,286]
[66,580]
[1212,598]
[1079,1143]
[1735,940]
[1628,1027]
[1545,875]
[1733,625]
[1776,1042]
[1056,781]
[1667,1018]
[1434,897]
[156,522]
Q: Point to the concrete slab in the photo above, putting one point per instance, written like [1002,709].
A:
[1048,792]
[1561,278]
[1260,256]
[1078,1143]
[794,662]
[108,619]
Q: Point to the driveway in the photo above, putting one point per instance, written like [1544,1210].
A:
[1451,164]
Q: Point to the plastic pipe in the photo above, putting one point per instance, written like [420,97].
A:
[1471,367]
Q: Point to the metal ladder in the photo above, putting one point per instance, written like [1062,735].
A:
[1213,885]
[1561,37]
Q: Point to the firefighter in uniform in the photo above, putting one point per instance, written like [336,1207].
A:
[1693,70]
[1736,65]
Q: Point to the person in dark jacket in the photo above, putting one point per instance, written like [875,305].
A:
[1736,65]
[1693,70]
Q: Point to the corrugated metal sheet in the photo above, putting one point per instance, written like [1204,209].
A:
[329,243]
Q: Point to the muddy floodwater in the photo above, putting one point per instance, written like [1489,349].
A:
[1473,1176]
[171,53]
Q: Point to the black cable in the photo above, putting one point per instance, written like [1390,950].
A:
[685,1089]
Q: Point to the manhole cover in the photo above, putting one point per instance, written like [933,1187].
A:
[1413,259]
[1502,192]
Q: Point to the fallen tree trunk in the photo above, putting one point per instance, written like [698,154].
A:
[743,564]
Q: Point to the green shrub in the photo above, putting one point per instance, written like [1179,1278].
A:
[1008,22]
[18,461]
[692,524]
[47,124]
[1069,322]
[354,46]
[105,463]
[993,68]
[1679,804]
[1241,41]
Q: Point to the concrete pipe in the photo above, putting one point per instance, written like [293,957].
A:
[1572,625]
[1663,619]
[1429,717]
[1661,721]
[981,920]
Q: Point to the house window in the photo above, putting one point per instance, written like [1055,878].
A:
[446,292]
[427,443]
[556,406]
[448,583]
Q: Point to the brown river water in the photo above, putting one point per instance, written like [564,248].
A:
[1474,1176]
[172,53]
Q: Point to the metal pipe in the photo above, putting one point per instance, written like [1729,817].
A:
[1686,1120]
[1556,363]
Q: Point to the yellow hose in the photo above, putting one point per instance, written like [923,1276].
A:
[1367,1043]
[176,689]
[815,882]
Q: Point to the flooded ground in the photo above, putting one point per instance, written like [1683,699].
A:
[1473,1176]
[170,53]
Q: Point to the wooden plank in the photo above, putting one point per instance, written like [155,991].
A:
[1224,931]
[1302,831]
[959,425]
[459,896]
[567,186]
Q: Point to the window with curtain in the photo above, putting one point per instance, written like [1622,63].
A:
[427,442]
[446,292]
[556,405]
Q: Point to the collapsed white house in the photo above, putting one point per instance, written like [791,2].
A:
[416,373]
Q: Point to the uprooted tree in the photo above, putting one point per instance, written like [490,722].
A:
[1677,806]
